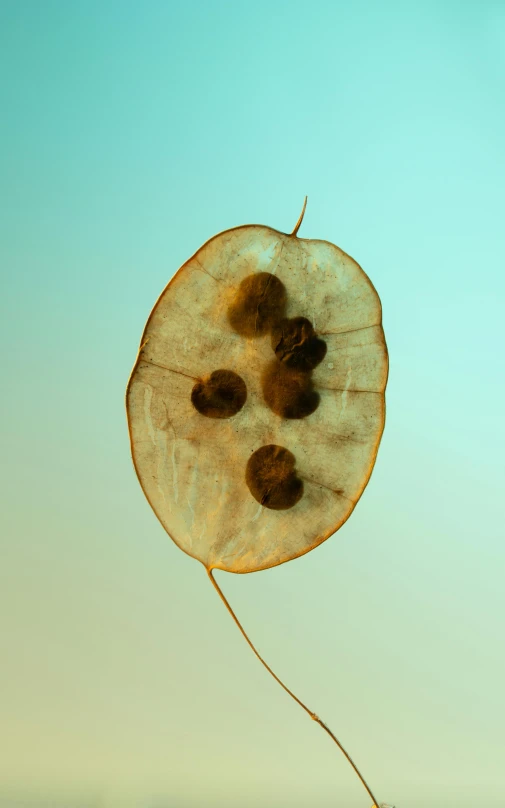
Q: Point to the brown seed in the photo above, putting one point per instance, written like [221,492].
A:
[220,395]
[288,393]
[271,478]
[259,303]
[296,345]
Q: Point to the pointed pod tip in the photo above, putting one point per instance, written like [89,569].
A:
[300,218]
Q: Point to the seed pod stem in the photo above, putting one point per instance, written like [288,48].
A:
[300,220]
[313,715]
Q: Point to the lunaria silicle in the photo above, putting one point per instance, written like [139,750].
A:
[256,404]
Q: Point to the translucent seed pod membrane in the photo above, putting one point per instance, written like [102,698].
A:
[256,404]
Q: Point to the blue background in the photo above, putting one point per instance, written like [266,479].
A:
[131,133]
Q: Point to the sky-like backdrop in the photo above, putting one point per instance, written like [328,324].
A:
[130,134]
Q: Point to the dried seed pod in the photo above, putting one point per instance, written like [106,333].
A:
[256,404]
[260,340]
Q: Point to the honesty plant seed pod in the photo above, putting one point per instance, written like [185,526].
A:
[256,403]
[261,339]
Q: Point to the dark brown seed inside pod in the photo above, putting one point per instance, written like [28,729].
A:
[271,478]
[259,303]
[220,395]
[296,345]
[289,393]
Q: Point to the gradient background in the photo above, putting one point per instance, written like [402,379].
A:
[131,133]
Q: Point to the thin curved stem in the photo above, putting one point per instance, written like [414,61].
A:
[313,716]
[300,218]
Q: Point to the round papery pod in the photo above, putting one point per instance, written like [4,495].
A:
[256,403]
